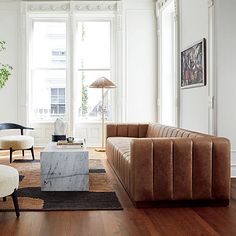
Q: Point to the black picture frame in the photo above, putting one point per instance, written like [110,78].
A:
[193,65]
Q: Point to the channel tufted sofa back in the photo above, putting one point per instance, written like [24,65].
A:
[158,130]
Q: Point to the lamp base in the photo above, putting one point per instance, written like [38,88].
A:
[100,150]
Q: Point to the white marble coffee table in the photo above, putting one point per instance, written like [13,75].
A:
[64,169]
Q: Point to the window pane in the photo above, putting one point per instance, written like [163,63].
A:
[54,99]
[48,81]
[93,45]
[54,109]
[45,96]
[49,44]
[61,109]
[61,91]
[54,91]
[89,100]
[61,100]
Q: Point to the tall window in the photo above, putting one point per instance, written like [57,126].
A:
[48,71]
[168,65]
[93,60]
[90,59]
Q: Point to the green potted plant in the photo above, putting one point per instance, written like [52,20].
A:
[5,69]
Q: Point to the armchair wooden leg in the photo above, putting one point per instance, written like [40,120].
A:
[15,201]
[11,151]
[4,199]
[32,152]
[23,152]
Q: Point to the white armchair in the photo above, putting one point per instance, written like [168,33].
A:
[16,142]
[9,182]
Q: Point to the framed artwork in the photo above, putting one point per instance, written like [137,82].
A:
[193,65]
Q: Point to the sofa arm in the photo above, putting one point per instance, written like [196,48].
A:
[126,130]
[180,169]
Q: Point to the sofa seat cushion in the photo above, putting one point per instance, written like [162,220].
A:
[121,145]
[9,180]
[118,154]
[16,142]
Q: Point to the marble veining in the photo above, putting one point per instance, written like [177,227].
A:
[64,169]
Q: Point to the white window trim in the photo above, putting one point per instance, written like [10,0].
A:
[113,55]
[33,19]
[160,6]
[70,11]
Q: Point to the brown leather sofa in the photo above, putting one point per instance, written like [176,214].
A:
[165,166]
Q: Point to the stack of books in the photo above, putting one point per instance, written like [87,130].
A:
[77,143]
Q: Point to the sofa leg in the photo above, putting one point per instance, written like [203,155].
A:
[23,153]
[32,152]
[15,201]
[4,199]
[11,151]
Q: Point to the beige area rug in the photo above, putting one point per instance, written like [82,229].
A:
[101,195]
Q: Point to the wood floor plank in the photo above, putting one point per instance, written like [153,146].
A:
[221,219]
[179,222]
[129,222]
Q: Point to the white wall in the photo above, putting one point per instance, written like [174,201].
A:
[193,101]
[194,24]
[9,32]
[225,70]
[140,60]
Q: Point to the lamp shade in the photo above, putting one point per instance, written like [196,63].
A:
[102,83]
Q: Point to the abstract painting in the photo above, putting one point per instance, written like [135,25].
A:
[193,65]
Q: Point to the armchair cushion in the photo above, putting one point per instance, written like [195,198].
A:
[16,142]
[9,180]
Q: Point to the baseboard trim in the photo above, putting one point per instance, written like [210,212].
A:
[233,171]
[233,163]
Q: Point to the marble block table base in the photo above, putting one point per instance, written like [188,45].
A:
[64,169]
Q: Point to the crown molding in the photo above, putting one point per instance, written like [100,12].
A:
[211,3]
[65,6]
[94,6]
[161,3]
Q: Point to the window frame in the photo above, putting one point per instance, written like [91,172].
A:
[71,24]
[109,19]
[31,69]
[176,60]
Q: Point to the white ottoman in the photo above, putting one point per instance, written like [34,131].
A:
[9,182]
[17,142]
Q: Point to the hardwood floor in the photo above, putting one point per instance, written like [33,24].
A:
[130,221]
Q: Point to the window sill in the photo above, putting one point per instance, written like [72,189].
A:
[92,121]
[45,122]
